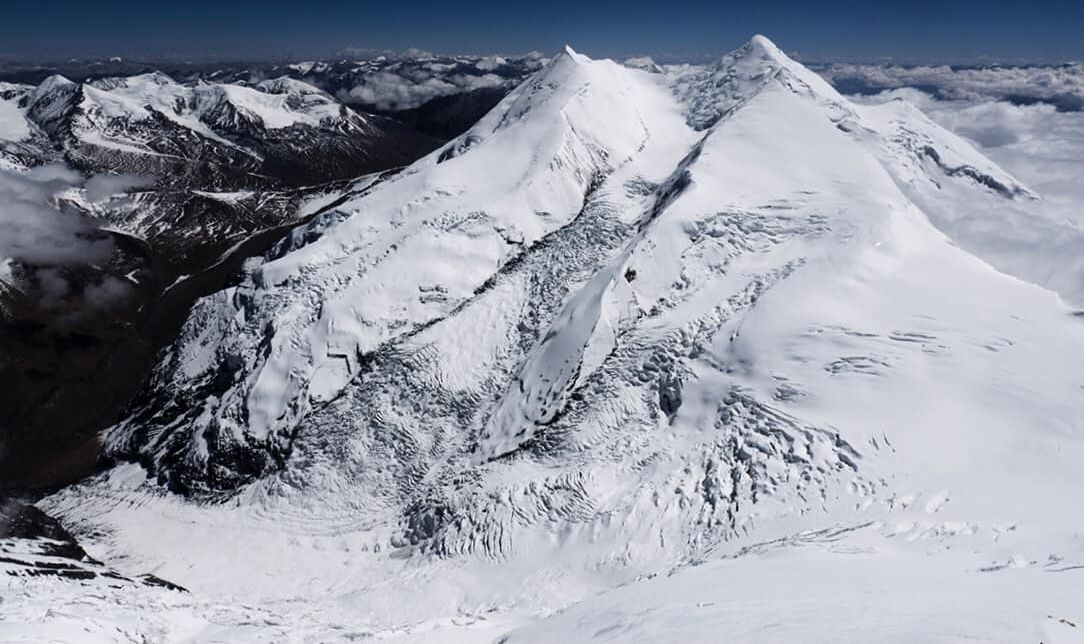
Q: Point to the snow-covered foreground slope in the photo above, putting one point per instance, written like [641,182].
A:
[819,588]
[739,363]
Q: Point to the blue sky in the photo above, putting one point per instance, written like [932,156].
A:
[918,30]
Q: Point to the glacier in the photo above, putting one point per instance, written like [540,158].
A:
[636,358]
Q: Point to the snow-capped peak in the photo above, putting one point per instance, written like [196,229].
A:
[52,83]
[119,113]
[712,92]
[51,101]
[48,89]
[426,242]
[761,56]
[644,63]
[764,47]
[593,343]
[154,78]
[577,57]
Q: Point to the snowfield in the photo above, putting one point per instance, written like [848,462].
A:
[721,356]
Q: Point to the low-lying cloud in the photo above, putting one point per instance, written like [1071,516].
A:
[39,233]
[399,91]
[1038,144]
[1042,241]
[101,187]
[1059,85]
[51,253]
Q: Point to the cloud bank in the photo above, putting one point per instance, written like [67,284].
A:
[394,91]
[1038,144]
[1041,241]
[409,79]
[1061,86]
[52,254]
[36,231]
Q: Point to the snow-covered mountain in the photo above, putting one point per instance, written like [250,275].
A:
[437,95]
[723,339]
[141,185]
[278,132]
[190,153]
[398,82]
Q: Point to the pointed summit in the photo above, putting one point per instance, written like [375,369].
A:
[763,45]
[743,73]
[50,86]
[51,101]
[761,57]
[758,53]
[571,53]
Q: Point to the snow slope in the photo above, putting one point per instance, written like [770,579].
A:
[624,362]
[521,173]
[13,124]
[808,591]
[20,140]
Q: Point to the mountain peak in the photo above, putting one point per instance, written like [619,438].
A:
[583,328]
[644,63]
[52,83]
[743,73]
[761,52]
[763,44]
[572,54]
[51,99]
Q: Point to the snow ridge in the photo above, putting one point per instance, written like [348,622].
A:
[543,151]
[616,329]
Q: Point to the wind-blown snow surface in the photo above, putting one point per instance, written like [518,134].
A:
[725,360]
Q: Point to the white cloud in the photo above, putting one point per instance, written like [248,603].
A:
[1037,144]
[405,89]
[1061,85]
[369,53]
[490,63]
[37,233]
[43,249]
[103,186]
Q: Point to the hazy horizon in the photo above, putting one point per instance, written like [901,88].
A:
[1045,31]
[356,53]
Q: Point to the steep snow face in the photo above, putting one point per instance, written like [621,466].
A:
[608,333]
[13,123]
[51,104]
[410,250]
[17,133]
[714,91]
[935,168]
